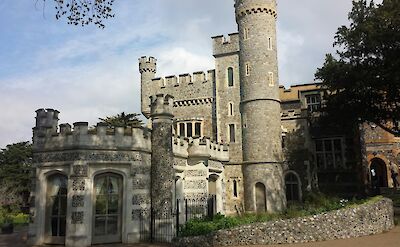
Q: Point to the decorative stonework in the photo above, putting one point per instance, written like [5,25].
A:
[141,183]
[78,184]
[195,184]
[80,170]
[138,214]
[77,217]
[78,201]
[88,156]
[195,173]
[141,199]
[144,170]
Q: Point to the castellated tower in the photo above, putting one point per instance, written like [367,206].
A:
[147,69]
[260,106]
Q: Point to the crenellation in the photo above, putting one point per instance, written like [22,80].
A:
[225,45]
[185,78]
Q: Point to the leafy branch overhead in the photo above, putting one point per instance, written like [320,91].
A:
[362,80]
[84,12]
[122,120]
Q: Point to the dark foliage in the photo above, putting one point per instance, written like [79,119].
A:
[362,81]
[122,120]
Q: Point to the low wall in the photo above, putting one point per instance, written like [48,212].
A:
[366,219]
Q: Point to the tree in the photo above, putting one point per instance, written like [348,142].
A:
[362,82]
[15,170]
[122,120]
[83,12]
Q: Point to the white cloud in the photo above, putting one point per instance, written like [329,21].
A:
[90,73]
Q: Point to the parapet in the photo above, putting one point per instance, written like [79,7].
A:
[201,148]
[183,79]
[147,64]
[161,105]
[225,46]
[100,137]
[247,7]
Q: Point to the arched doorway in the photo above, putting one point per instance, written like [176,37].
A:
[261,202]
[107,208]
[292,187]
[378,172]
[56,209]
[212,194]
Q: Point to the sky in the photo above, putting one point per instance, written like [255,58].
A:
[87,72]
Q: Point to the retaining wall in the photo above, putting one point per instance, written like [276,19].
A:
[366,219]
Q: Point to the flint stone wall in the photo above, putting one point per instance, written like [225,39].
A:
[366,219]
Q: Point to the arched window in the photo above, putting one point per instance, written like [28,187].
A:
[56,208]
[230,77]
[292,187]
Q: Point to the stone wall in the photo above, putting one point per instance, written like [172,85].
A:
[366,219]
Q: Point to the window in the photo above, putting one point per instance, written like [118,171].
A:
[232,133]
[247,69]
[245,33]
[292,187]
[329,153]
[182,129]
[230,77]
[189,131]
[230,110]
[188,128]
[313,102]
[197,129]
[235,190]
[269,43]
[271,79]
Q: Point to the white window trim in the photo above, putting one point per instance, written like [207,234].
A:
[247,69]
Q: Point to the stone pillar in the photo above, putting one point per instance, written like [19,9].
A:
[162,159]
[260,105]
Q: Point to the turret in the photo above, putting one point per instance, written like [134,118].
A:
[147,69]
[46,120]
[162,158]
[260,106]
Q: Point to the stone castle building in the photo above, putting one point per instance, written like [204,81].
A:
[231,132]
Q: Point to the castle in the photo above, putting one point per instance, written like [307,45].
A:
[231,133]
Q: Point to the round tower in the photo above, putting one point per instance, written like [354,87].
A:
[260,106]
[147,69]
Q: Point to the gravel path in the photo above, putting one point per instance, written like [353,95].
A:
[388,239]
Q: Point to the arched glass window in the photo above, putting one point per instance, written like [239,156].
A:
[230,77]
[292,187]
[56,210]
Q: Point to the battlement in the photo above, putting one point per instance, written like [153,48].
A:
[82,137]
[226,45]
[202,148]
[47,118]
[247,7]
[147,64]
[183,79]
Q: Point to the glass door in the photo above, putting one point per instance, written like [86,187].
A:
[56,209]
[107,208]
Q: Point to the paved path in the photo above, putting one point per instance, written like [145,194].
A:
[388,239]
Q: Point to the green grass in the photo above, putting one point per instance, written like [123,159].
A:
[313,204]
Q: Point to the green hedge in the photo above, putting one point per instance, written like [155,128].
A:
[313,204]
[14,217]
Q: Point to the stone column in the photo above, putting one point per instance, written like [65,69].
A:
[162,159]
